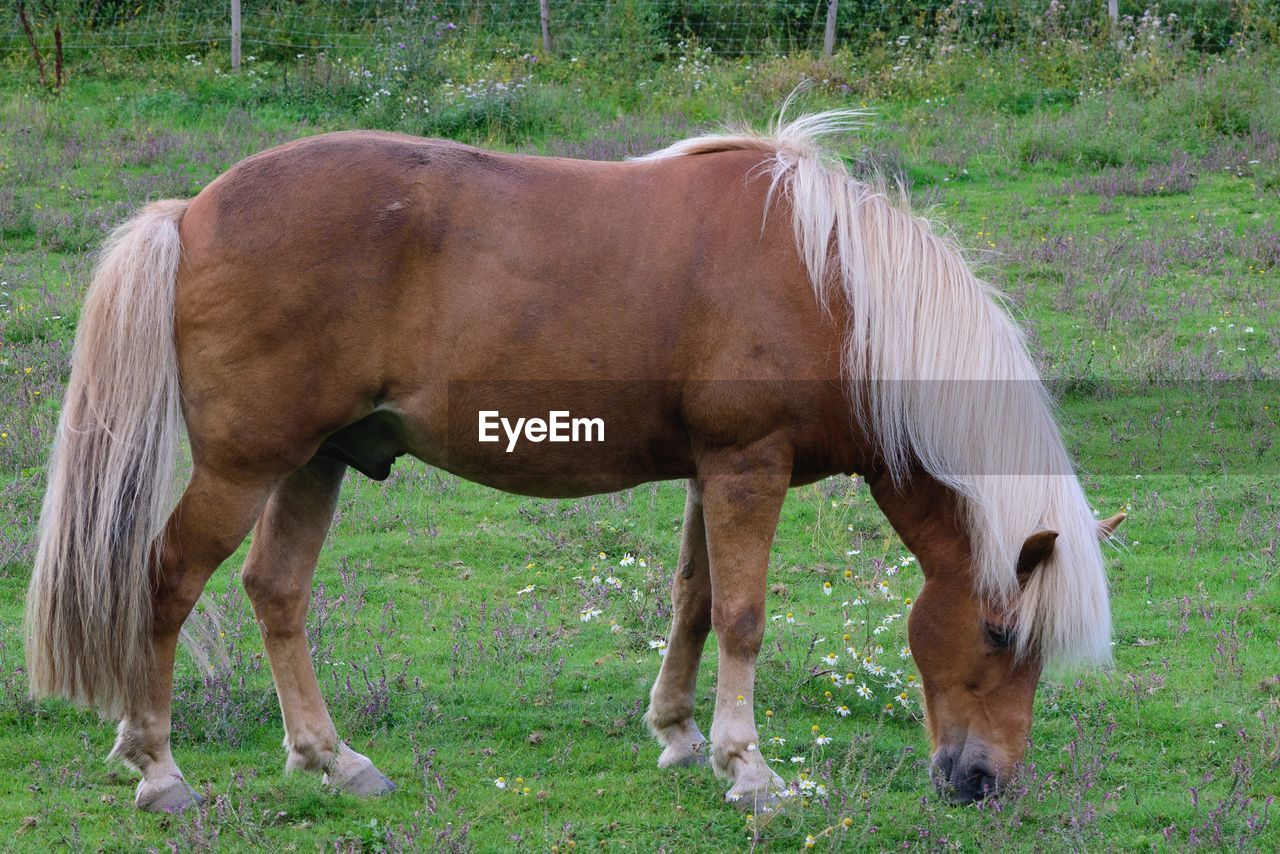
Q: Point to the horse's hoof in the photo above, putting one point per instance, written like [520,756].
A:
[684,755]
[170,794]
[367,782]
[757,790]
[354,773]
[755,801]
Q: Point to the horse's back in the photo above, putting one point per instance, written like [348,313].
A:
[354,195]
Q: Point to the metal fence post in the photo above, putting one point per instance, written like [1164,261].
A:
[235,34]
[829,37]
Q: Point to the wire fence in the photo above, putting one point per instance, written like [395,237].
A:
[278,28]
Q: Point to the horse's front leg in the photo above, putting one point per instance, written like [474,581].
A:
[741,512]
[670,716]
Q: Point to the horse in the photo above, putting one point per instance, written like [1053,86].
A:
[348,298]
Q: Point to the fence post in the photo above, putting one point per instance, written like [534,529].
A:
[544,9]
[235,34]
[57,56]
[31,40]
[1113,10]
[829,37]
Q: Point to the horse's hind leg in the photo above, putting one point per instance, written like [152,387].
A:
[670,716]
[277,577]
[216,511]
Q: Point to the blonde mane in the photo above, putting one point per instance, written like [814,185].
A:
[951,385]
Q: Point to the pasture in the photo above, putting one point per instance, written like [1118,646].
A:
[493,654]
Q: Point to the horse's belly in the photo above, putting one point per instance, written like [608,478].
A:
[553,452]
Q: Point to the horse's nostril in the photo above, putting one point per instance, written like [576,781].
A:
[946,762]
[975,785]
[965,785]
[943,763]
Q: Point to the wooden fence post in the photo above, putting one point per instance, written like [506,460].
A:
[31,40]
[57,56]
[1113,10]
[544,9]
[829,37]
[235,34]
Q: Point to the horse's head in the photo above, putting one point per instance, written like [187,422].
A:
[978,689]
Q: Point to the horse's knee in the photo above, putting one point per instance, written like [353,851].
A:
[739,626]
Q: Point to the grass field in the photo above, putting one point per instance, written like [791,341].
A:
[465,636]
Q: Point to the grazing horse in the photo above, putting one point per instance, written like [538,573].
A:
[736,310]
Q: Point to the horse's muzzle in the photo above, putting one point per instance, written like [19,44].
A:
[963,780]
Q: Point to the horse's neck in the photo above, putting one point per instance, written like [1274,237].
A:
[927,516]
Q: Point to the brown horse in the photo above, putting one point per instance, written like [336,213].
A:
[734,310]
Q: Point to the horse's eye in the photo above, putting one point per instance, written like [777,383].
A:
[999,636]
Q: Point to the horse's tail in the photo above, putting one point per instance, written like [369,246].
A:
[88,610]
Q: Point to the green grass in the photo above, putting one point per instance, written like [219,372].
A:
[448,677]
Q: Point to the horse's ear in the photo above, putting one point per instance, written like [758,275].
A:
[1107,527]
[1035,551]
